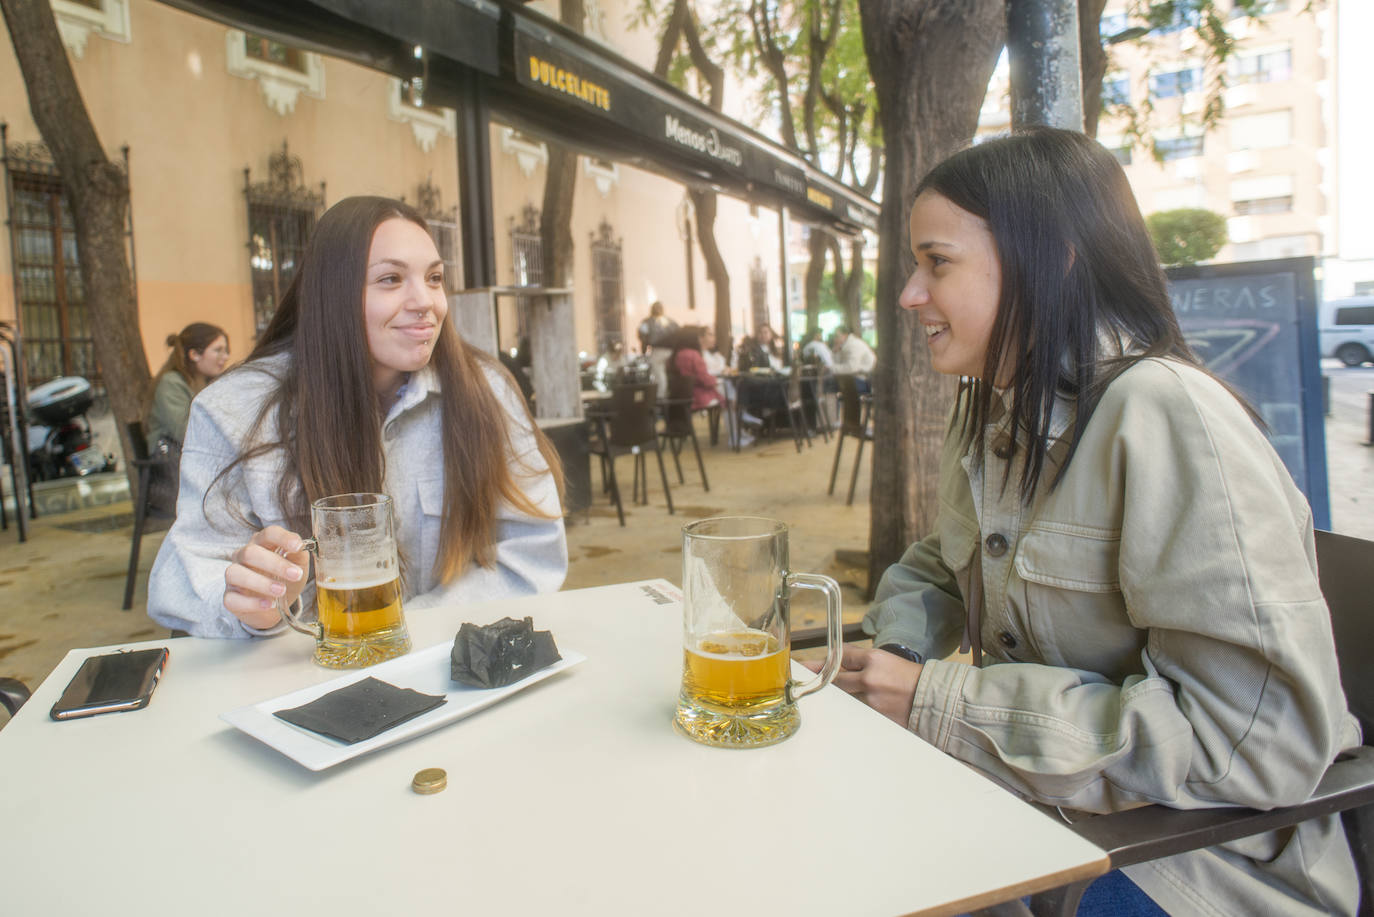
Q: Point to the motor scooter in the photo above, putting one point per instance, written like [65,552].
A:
[60,441]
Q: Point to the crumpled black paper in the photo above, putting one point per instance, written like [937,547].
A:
[501,653]
[361,710]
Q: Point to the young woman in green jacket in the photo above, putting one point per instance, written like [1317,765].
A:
[1124,551]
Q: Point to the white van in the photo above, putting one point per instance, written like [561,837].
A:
[1346,329]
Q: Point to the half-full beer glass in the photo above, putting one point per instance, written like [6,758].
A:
[357,582]
[737,689]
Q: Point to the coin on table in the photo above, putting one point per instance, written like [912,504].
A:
[429,780]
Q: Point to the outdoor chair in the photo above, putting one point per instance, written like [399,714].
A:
[1346,572]
[814,377]
[856,422]
[13,693]
[626,424]
[155,500]
[678,426]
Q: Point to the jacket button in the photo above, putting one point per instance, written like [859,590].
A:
[996,545]
[1002,449]
[1007,639]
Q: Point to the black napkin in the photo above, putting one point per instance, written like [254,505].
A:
[361,710]
[500,653]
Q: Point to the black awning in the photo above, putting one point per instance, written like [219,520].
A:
[582,89]
[558,82]
[376,35]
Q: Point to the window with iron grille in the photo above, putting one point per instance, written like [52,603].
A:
[54,320]
[527,255]
[608,281]
[527,263]
[758,293]
[443,227]
[281,216]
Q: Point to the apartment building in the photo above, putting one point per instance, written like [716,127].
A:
[1270,166]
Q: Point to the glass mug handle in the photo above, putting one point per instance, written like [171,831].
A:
[311,628]
[834,647]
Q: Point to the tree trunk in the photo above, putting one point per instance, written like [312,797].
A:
[704,202]
[99,194]
[682,26]
[851,297]
[930,62]
[1093,59]
[819,245]
[555,216]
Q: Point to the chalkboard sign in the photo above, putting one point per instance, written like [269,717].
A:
[1254,323]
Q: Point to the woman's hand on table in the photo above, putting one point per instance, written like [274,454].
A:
[270,567]
[885,682]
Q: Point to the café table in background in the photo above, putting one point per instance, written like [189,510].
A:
[574,796]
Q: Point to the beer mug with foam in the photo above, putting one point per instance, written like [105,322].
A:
[357,583]
[737,689]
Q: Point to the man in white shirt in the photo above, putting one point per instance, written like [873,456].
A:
[852,353]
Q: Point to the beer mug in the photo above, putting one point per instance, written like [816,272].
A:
[357,583]
[737,690]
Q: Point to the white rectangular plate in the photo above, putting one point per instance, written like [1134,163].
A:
[426,671]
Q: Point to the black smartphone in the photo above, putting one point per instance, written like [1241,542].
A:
[115,681]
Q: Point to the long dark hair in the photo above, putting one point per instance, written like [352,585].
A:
[328,410]
[1077,266]
[195,336]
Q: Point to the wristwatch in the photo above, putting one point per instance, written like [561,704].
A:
[905,652]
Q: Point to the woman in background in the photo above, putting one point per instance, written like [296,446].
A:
[687,362]
[200,353]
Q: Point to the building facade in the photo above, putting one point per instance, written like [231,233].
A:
[1271,166]
[237,142]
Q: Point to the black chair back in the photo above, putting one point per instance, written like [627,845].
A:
[851,408]
[631,417]
[677,409]
[138,440]
[1345,569]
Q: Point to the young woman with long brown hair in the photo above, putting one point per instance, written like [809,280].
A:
[359,384]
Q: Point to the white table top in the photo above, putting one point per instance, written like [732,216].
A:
[575,796]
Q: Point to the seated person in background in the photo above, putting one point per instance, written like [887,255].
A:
[715,363]
[853,355]
[762,351]
[1117,536]
[359,385]
[199,354]
[815,351]
[687,362]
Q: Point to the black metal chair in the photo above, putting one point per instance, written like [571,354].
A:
[856,422]
[1346,571]
[155,499]
[13,693]
[626,424]
[678,426]
[814,377]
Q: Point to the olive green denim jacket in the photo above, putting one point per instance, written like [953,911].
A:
[1153,632]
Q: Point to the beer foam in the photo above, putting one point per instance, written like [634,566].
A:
[338,583]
